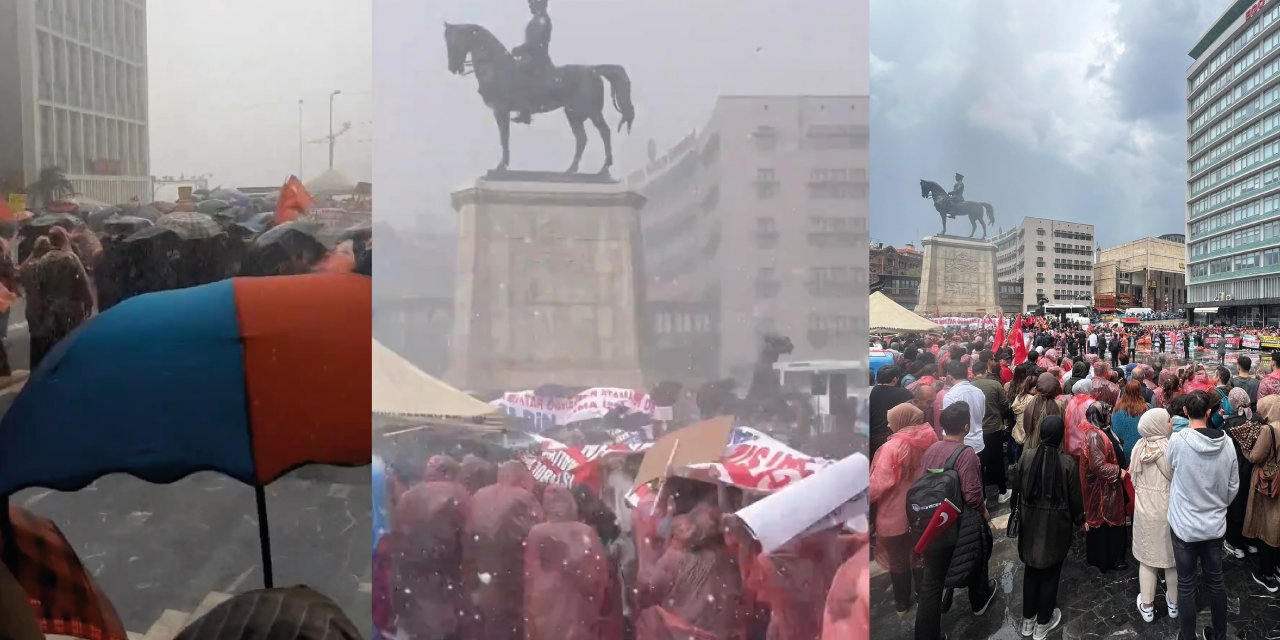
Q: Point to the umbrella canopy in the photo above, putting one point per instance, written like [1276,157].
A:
[356,231]
[251,377]
[191,225]
[887,315]
[281,232]
[126,224]
[401,389]
[64,220]
[153,231]
[212,206]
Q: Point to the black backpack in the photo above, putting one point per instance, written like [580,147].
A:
[927,494]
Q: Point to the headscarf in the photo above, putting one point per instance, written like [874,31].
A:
[1044,404]
[1154,432]
[1239,399]
[903,416]
[440,468]
[1269,407]
[1099,415]
[1084,387]
[1045,483]
[476,473]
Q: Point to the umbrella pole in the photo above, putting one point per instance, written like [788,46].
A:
[264,536]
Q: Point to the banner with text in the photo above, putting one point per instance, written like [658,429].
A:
[544,412]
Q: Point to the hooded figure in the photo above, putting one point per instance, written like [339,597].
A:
[476,473]
[566,574]
[1074,417]
[848,608]
[1101,464]
[499,518]
[426,593]
[1262,518]
[895,467]
[794,581]
[695,587]
[1079,371]
[1199,381]
[1051,509]
[1103,388]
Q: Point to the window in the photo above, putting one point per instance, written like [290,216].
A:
[766,183]
[766,233]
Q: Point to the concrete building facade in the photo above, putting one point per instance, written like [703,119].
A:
[1233,166]
[757,224]
[73,94]
[1149,273]
[1044,257]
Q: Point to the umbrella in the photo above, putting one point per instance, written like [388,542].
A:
[295,237]
[64,220]
[98,217]
[126,224]
[251,377]
[147,233]
[212,206]
[191,225]
[358,230]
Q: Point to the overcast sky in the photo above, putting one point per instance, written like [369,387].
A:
[1074,111]
[225,80]
[434,134]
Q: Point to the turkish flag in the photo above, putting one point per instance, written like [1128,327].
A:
[293,201]
[1018,343]
[944,517]
[999,342]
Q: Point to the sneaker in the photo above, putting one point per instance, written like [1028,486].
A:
[1004,497]
[991,587]
[1268,582]
[1147,612]
[1252,549]
[1028,627]
[1173,610]
[1232,551]
[1042,630]
[903,608]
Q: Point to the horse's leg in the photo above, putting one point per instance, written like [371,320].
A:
[944,222]
[597,118]
[503,117]
[579,138]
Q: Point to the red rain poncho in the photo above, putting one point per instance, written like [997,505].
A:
[693,593]
[566,574]
[476,473]
[796,578]
[848,611]
[1100,480]
[895,467]
[1076,424]
[426,567]
[499,518]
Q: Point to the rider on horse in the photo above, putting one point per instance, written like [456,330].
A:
[534,57]
[957,192]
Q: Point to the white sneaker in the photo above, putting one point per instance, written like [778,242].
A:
[1004,497]
[1028,627]
[1173,610]
[1147,612]
[1042,630]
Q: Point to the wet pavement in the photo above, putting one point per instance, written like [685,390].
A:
[1094,604]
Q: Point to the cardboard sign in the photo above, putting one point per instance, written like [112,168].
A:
[700,443]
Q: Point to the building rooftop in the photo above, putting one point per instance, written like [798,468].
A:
[1237,9]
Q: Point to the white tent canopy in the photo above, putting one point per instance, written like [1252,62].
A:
[401,389]
[887,315]
[330,183]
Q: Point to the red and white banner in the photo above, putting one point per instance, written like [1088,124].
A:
[547,412]
[756,462]
[565,466]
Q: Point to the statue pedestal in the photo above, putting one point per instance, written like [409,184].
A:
[548,288]
[958,277]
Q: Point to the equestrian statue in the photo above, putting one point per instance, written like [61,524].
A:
[519,83]
[953,205]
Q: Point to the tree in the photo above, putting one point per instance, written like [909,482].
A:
[52,185]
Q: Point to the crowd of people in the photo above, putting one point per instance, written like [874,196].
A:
[471,546]
[1172,465]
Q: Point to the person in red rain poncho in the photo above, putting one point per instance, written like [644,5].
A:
[566,574]
[1103,388]
[1199,380]
[1074,417]
[895,467]
[426,574]
[848,610]
[498,519]
[795,579]
[694,590]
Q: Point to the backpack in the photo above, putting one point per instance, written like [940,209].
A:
[1225,410]
[928,492]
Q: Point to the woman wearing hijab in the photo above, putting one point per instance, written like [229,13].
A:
[893,470]
[1082,397]
[1102,470]
[1022,398]
[1198,380]
[1262,516]
[1048,401]
[1243,432]
[1051,509]
[1152,546]
[499,517]
[1079,371]
[426,594]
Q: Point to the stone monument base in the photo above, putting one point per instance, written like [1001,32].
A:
[547,285]
[958,277]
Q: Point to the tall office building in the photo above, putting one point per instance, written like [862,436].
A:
[757,224]
[1233,167]
[73,94]
[1049,258]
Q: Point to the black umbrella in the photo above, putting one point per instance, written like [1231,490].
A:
[64,220]
[363,230]
[126,224]
[291,234]
[154,232]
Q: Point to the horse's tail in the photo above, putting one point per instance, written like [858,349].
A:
[991,213]
[620,89]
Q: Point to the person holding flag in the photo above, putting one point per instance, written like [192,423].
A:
[293,203]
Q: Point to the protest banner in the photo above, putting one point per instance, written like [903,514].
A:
[842,487]
[545,412]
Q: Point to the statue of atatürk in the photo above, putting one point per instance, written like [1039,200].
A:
[524,82]
[953,205]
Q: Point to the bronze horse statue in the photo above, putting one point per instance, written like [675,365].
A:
[947,207]
[578,89]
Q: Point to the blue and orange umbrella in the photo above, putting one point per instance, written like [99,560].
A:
[251,377]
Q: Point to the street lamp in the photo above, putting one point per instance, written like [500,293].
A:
[335,93]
